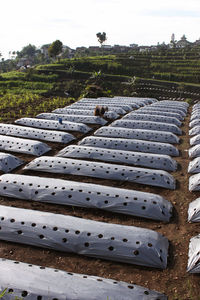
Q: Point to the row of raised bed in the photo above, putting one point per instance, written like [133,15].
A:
[147,161]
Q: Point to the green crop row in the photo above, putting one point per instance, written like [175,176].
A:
[19,86]
[27,104]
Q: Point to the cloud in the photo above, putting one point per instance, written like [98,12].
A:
[59,20]
[76,22]
[170,13]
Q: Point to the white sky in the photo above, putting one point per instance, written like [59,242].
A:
[76,22]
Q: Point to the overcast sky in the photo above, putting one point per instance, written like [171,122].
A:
[76,22]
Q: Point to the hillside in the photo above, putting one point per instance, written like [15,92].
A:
[173,74]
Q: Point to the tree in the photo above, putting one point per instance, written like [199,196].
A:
[55,48]
[101,37]
[27,51]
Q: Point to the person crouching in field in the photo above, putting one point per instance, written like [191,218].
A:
[100,110]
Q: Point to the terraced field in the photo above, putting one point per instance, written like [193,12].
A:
[106,196]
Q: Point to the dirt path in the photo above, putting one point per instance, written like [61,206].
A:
[174,281]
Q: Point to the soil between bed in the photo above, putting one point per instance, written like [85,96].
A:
[174,281]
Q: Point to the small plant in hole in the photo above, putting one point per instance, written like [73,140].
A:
[8,292]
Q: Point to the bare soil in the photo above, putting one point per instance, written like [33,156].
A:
[174,281]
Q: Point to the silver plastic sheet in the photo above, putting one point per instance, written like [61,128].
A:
[194,166]
[125,106]
[195,108]
[65,192]
[134,103]
[196,111]
[195,122]
[194,119]
[9,162]
[39,282]
[116,109]
[197,105]
[108,241]
[194,116]
[83,112]
[92,104]
[128,106]
[123,100]
[194,255]
[130,145]
[51,124]
[138,134]
[195,140]
[175,103]
[154,118]
[155,161]
[195,130]
[137,124]
[12,144]
[169,108]
[194,151]
[73,118]
[194,182]
[194,211]
[36,134]
[162,109]
[102,170]
[171,104]
[138,100]
[148,110]
[113,107]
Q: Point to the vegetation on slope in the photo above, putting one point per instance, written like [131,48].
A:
[142,74]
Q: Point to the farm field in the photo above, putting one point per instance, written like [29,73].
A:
[173,74]
[173,281]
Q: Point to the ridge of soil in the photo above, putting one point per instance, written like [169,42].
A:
[174,281]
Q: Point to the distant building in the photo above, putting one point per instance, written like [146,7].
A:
[120,48]
[44,50]
[144,49]
[106,46]
[153,48]
[183,42]
[24,62]
[94,48]
[70,52]
[197,42]
[81,49]
[133,45]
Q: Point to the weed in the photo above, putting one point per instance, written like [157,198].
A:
[6,292]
